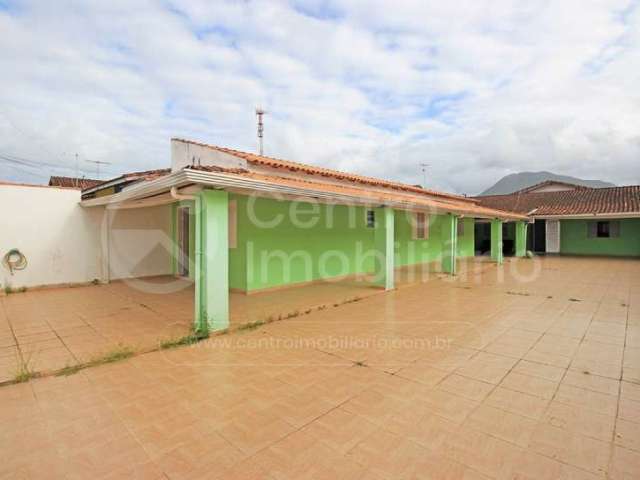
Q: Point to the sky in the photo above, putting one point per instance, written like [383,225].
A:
[475,89]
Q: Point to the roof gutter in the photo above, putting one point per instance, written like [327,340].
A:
[175,180]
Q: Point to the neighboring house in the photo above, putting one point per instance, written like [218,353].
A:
[576,220]
[250,223]
[73,182]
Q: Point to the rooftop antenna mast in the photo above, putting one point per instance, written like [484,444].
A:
[98,163]
[424,167]
[259,113]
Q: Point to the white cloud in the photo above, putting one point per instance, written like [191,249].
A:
[475,89]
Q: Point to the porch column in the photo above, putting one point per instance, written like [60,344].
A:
[449,243]
[521,239]
[384,245]
[105,252]
[212,260]
[496,240]
[174,238]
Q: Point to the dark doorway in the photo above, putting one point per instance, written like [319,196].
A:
[537,236]
[482,237]
[508,239]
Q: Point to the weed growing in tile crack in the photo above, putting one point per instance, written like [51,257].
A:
[190,339]
[251,325]
[70,370]
[120,352]
[24,372]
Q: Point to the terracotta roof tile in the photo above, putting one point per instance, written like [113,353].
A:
[374,196]
[569,202]
[550,182]
[73,182]
[324,172]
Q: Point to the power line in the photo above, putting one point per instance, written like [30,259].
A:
[37,164]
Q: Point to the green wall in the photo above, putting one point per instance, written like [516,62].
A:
[333,241]
[466,245]
[330,240]
[574,239]
[410,251]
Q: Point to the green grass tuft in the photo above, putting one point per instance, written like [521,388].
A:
[190,339]
[24,372]
[70,370]
[120,352]
[251,325]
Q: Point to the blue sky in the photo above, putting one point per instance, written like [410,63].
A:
[475,89]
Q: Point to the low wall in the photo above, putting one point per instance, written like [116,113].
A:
[62,240]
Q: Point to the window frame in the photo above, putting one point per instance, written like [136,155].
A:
[420,227]
[370,218]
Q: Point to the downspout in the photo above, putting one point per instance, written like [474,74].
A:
[198,317]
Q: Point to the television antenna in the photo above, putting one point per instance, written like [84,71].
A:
[259,113]
[98,163]
[424,167]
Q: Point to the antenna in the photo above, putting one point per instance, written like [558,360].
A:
[424,167]
[259,113]
[98,163]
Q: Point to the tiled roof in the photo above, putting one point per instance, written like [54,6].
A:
[73,182]
[549,182]
[374,196]
[132,176]
[324,172]
[569,202]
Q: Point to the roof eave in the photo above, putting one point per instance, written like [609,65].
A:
[583,216]
[221,180]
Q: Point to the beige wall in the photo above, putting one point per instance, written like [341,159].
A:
[62,240]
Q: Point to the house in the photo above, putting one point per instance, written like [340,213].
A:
[575,220]
[249,223]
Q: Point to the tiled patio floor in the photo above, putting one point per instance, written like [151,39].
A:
[527,371]
[54,328]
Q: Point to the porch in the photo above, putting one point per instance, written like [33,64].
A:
[50,329]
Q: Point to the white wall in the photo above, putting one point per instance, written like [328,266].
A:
[184,154]
[62,240]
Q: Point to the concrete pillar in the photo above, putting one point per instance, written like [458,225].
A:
[521,239]
[496,241]
[384,245]
[212,260]
[449,243]
[174,238]
[105,248]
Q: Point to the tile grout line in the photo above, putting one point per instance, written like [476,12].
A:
[615,419]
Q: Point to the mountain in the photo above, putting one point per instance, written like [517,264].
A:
[518,181]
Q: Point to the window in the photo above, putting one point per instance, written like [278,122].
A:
[460,227]
[604,229]
[420,226]
[371,218]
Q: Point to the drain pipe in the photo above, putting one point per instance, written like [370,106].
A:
[198,314]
